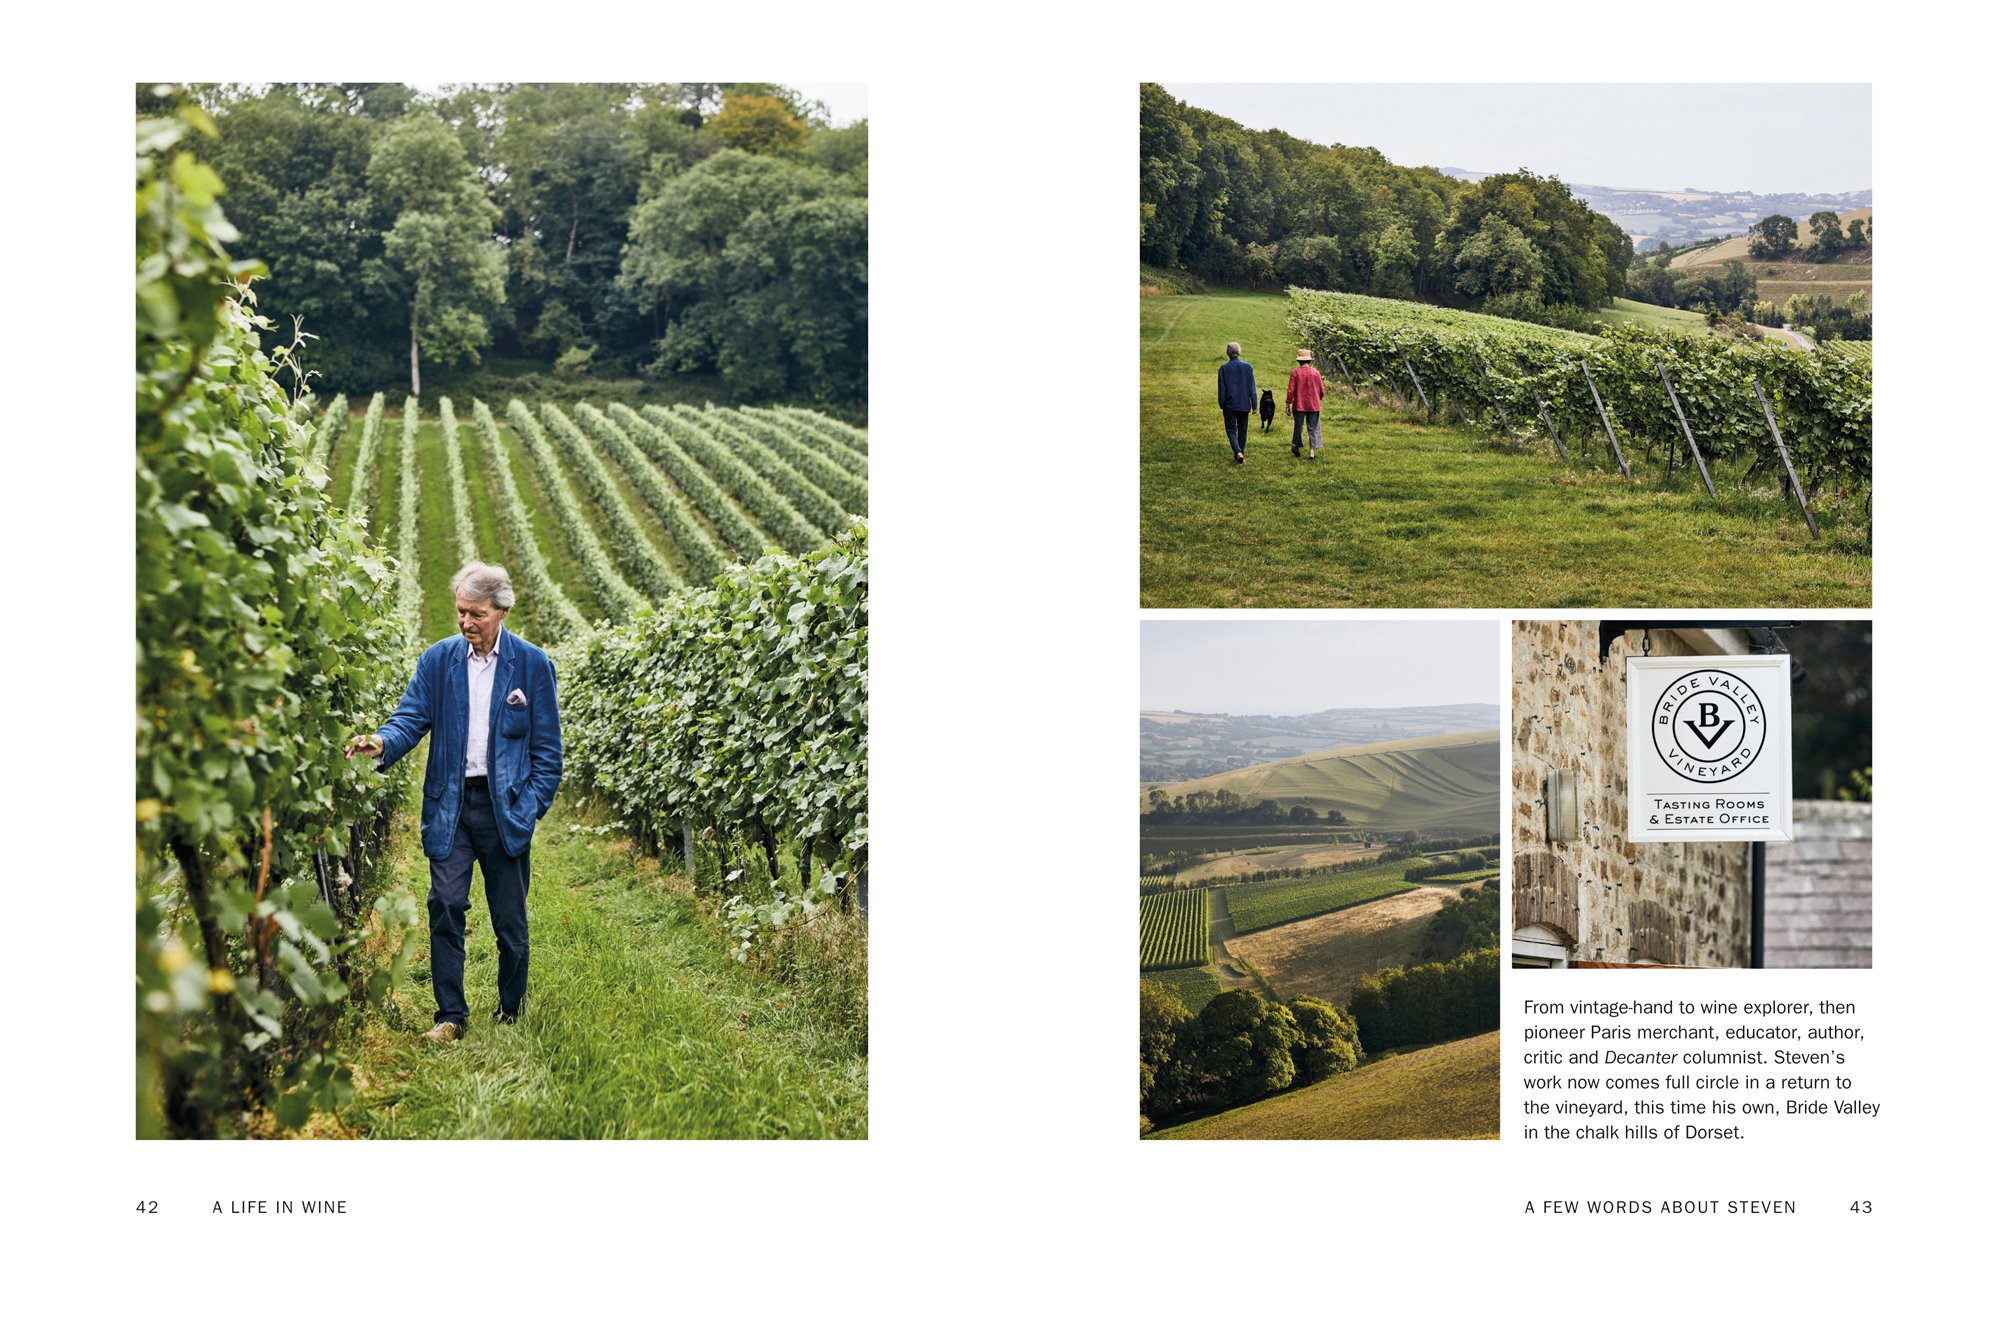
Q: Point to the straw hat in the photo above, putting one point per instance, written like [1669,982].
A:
[1303,356]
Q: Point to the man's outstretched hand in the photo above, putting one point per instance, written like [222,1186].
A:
[366,745]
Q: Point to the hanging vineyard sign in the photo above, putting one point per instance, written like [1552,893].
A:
[1710,747]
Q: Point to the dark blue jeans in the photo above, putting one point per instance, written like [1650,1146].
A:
[507,881]
[1237,430]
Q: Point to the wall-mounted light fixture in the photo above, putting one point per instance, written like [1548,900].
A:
[1565,814]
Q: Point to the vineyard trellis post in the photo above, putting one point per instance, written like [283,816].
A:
[1340,361]
[1691,445]
[689,854]
[1411,375]
[1543,408]
[1605,416]
[1785,456]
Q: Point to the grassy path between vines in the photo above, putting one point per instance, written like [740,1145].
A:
[638,1023]
[1399,513]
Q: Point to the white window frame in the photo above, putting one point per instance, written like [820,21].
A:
[1538,946]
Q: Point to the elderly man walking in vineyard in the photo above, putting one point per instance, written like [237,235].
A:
[490,701]
[1237,398]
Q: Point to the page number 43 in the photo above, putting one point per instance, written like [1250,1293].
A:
[1862,1207]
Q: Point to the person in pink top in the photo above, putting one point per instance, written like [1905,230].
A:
[1305,397]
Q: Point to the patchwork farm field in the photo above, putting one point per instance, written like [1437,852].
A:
[1298,856]
[1325,955]
[1403,512]
[1447,1091]
[1267,904]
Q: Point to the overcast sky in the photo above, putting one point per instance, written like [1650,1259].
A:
[1809,138]
[845,100]
[1296,667]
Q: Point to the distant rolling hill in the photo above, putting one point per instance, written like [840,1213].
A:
[1185,745]
[1739,246]
[1447,1091]
[1445,782]
[1779,279]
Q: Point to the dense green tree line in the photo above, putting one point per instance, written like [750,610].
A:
[1239,1048]
[1263,208]
[1468,923]
[1427,1003]
[1224,805]
[1777,236]
[597,228]
[1733,290]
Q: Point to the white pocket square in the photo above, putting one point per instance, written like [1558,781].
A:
[516,698]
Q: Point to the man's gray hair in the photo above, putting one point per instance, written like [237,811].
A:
[485,581]
[1234,350]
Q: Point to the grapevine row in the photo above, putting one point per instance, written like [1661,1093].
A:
[1822,399]
[645,565]
[741,707]
[1171,930]
[366,459]
[782,522]
[556,613]
[617,598]
[465,540]
[847,489]
[410,596]
[817,507]
[266,635]
[700,552]
[333,421]
[704,492]
[851,439]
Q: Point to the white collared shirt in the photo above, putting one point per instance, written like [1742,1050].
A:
[480,687]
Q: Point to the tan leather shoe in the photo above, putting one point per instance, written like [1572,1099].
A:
[443,1032]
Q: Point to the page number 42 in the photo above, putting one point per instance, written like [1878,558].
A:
[147,1207]
[1862,1207]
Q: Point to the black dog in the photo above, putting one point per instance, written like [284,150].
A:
[1268,408]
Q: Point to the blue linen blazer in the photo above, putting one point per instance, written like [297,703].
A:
[1237,386]
[526,752]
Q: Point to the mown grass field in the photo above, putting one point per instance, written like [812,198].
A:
[1445,781]
[1195,986]
[1403,513]
[1448,1091]
[1324,956]
[1267,904]
[638,1023]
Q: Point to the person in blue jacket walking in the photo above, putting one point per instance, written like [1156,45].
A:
[490,701]
[1237,398]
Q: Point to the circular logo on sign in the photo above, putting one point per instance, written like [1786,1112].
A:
[1708,726]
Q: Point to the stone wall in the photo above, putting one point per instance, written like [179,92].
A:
[1817,909]
[1675,904]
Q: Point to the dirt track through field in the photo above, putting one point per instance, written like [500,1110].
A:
[1220,932]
